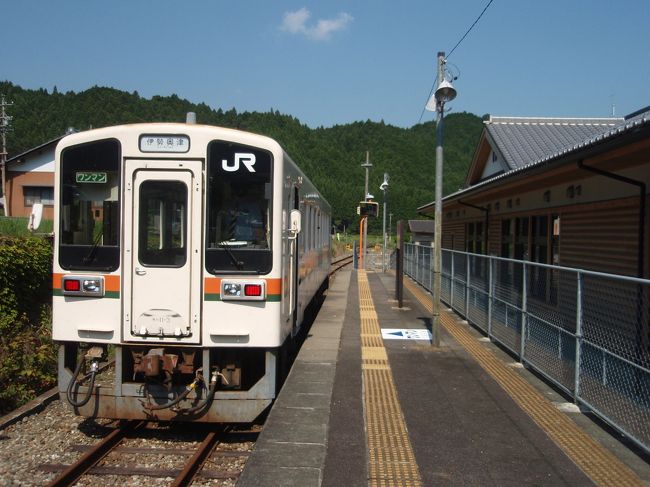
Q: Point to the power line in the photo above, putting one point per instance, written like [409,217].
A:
[453,49]
[4,128]
[469,30]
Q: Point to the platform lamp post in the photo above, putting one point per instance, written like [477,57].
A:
[367,165]
[384,188]
[444,93]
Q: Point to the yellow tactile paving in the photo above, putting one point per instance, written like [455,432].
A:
[594,460]
[391,461]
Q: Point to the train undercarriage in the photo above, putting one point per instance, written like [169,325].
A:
[169,383]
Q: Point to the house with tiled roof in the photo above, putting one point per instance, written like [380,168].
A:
[565,191]
[30,179]
[422,231]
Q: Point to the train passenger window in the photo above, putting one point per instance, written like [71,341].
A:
[89,211]
[239,191]
[162,232]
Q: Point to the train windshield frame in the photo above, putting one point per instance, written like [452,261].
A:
[239,208]
[89,206]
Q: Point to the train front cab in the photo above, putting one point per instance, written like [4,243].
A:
[151,266]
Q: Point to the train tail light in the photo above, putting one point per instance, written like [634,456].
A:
[243,290]
[72,285]
[252,290]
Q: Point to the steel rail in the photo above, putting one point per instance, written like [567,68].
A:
[201,454]
[344,261]
[341,259]
[87,461]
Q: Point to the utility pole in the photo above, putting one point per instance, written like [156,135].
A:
[444,93]
[367,165]
[4,128]
[437,258]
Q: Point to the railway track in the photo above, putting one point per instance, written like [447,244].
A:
[113,457]
[40,446]
[339,264]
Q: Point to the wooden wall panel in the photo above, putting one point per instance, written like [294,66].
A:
[602,237]
[494,236]
[453,236]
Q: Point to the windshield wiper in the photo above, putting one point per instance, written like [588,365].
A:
[90,256]
[239,264]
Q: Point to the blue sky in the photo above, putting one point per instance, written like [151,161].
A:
[332,62]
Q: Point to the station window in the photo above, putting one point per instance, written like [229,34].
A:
[476,245]
[535,239]
[545,239]
[506,239]
[475,238]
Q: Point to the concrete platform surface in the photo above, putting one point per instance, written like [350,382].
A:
[464,428]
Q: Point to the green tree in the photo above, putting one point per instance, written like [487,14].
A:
[330,156]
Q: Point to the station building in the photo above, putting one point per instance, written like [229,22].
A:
[564,191]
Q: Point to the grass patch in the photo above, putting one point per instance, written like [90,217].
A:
[16,226]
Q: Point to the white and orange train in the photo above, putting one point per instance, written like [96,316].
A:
[189,253]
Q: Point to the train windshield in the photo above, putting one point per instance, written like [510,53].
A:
[238,236]
[89,218]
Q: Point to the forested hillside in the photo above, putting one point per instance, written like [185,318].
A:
[331,156]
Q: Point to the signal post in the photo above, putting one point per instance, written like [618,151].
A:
[364,210]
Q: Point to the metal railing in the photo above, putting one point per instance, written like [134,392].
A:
[587,332]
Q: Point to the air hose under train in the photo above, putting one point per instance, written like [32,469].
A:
[94,367]
[183,395]
[208,397]
[197,380]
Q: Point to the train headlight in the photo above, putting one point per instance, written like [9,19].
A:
[243,290]
[231,290]
[92,285]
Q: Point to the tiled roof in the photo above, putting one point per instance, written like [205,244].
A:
[522,140]
[422,226]
[624,126]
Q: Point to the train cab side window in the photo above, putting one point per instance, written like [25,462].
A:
[89,206]
[239,196]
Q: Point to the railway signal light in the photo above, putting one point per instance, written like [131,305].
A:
[368,208]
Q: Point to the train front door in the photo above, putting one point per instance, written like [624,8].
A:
[162,261]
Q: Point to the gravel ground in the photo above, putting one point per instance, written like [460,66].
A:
[50,437]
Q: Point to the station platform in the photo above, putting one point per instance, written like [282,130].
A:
[362,408]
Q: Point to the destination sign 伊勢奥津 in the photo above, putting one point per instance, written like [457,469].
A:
[164,143]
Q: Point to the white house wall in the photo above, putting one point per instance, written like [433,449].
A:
[493,165]
[41,162]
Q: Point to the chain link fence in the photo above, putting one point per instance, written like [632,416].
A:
[587,332]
